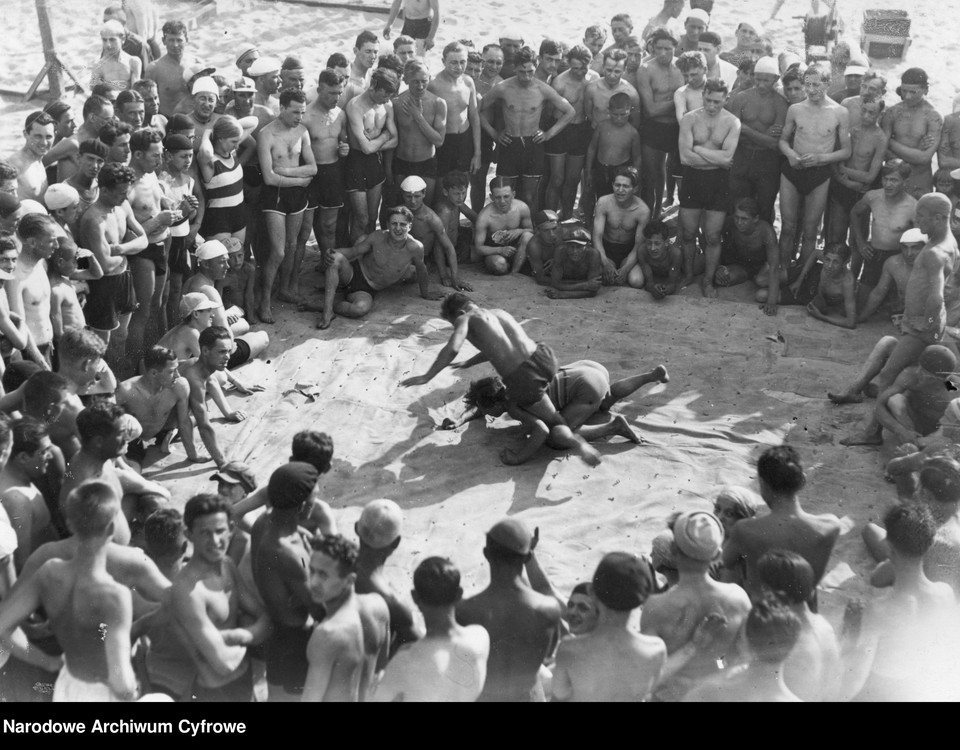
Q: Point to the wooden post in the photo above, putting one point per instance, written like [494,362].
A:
[52,63]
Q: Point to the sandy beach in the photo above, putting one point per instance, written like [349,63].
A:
[740,380]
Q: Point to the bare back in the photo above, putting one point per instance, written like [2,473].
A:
[498,335]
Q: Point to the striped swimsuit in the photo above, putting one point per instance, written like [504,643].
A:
[225,212]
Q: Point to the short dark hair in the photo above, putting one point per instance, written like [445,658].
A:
[157,357]
[525,55]
[98,420]
[690,60]
[210,336]
[328,77]
[365,37]
[90,508]
[390,61]
[749,206]
[617,55]
[620,100]
[337,547]
[95,105]
[172,28]
[498,553]
[40,118]
[896,165]
[711,37]
[940,477]
[33,226]
[630,173]
[144,138]
[77,344]
[8,171]
[129,95]
[580,52]
[437,582]
[163,533]
[204,504]
[337,60]
[104,88]
[787,574]
[772,629]
[714,86]
[112,130]
[43,388]
[292,95]
[453,304]
[113,174]
[781,469]
[659,34]
[314,448]
[485,393]
[549,47]
[656,227]
[498,182]
[840,248]
[911,529]
[28,434]
[385,79]
[455,179]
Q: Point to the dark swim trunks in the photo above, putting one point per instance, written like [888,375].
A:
[287,657]
[359,282]
[522,157]
[416,28]
[326,188]
[527,384]
[454,155]
[425,168]
[662,136]
[156,254]
[283,200]
[845,196]
[617,251]
[109,298]
[240,355]
[806,180]
[578,138]
[363,171]
[705,189]
[603,176]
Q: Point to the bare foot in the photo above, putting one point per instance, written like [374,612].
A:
[622,428]
[266,315]
[287,297]
[845,398]
[863,438]
[325,320]
[722,276]
[308,306]
[661,373]
[589,454]
[709,291]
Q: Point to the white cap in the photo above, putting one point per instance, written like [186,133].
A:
[854,70]
[211,249]
[264,65]
[205,85]
[511,33]
[28,206]
[955,174]
[190,303]
[766,65]
[61,195]
[195,70]
[700,14]
[112,28]
[412,184]
[913,236]
[380,524]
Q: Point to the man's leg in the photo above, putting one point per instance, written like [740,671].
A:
[899,408]
[652,179]
[528,185]
[297,232]
[325,227]
[839,222]
[373,207]
[144,283]
[789,218]
[690,226]
[556,164]
[572,172]
[521,255]
[560,433]
[356,305]
[622,388]
[814,206]
[277,232]
[875,362]
[496,265]
[712,227]
[730,274]
[339,273]
[358,207]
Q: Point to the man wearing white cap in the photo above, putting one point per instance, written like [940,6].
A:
[242,103]
[511,40]
[379,530]
[755,172]
[896,271]
[852,77]
[696,22]
[63,203]
[265,72]
[246,58]
[196,315]
[206,95]
[675,614]
[428,229]
[115,66]
[168,70]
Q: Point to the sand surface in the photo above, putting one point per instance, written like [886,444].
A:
[740,380]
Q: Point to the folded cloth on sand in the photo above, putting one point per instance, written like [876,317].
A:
[526,384]
[71,689]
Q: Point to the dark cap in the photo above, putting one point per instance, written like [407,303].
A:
[915,77]
[180,121]
[177,142]
[622,581]
[236,473]
[96,147]
[542,217]
[292,484]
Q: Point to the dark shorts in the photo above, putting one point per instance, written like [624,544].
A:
[527,384]
[617,251]
[223,220]
[240,355]
[288,201]
[520,158]
[603,175]
[730,257]
[425,168]
[456,152]
[363,171]
[359,282]
[806,180]
[156,254]
[238,691]
[556,146]
[845,196]
[662,136]
[578,138]
[416,28]
[287,657]
[706,189]
[326,189]
[873,269]
[109,298]
[179,260]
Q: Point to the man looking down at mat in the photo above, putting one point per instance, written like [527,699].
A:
[526,368]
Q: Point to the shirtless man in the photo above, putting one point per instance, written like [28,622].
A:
[755,172]
[787,526]
[91,158]
[280,557]
[924,314]
[450,662]
[459,149]
[347,647]
[38,140]
[618,226]
[709,46]
[20,498]
[566,168]
[218,616]
[913,127]
[488,78]
[61,160]
[896,272]
[872,83]
[421,19]
[115,66]
[657,80]
[168,70]
[151,104]
[695,23]
[103,439]
[675,614]
[429,230]
[667,17]
[612,662]
[656,264]
[816,135]
[90,614]
[111,232]
[596,105]
[547,238]
[708,139]
[160,400]
[371,130]
[690,96]
[521,623]
[265,72]
[365,54]
[912,408]
[97,112]
[526,368]
[421,123]
[381,259]
[502,231]
[520,144]
[868,145]
[288,166]
[891,212]
[29,291]
[751,252]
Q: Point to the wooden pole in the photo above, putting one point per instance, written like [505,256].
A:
[52,63]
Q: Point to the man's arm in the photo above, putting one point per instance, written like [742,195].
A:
[879,293]
[355,123]
[16,606]
[786,138]
[449,352]
[66,148]
[773,282]
[191,613]
[423,276]
[262,627]
[486,111]
[181,389]
[561,107]
[948,146]
[867,177]
[473,114]
[434,25]
[687,155]
[722,157]
[270,176]
[680,103]
[390,126]
[651,108]
[308,167]
[480,234]
[198,408]
[921,157]
[391,17]
[134,484]
[562,688]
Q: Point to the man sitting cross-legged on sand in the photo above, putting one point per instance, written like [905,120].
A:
[618,224]
[502,230]
[160,400]
[379,260]
[579,391]
[751,253]
[526,368]
[448,664]
[656,263]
